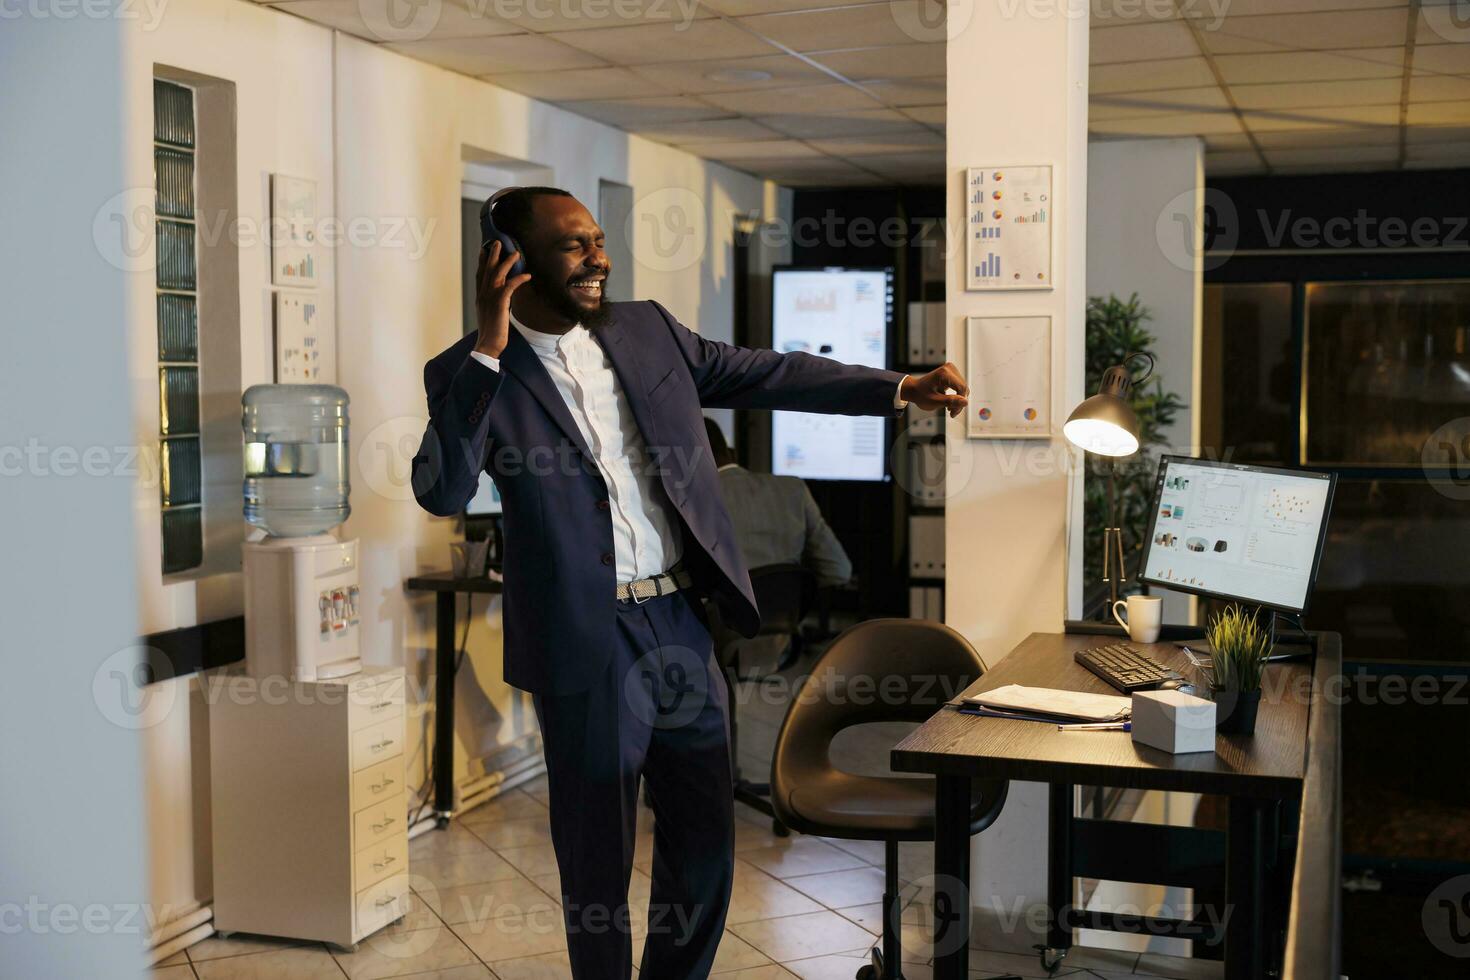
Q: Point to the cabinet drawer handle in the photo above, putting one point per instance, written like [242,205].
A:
[378,828]
[381,705]
[380,746]
[387,860]
[383,784]
[388,900]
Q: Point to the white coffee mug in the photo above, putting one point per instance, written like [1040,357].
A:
[1145,617]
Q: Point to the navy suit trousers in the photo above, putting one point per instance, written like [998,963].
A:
[659,713]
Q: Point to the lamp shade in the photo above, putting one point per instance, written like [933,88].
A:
[1105,424]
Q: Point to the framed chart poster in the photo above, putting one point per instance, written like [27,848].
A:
[1008,228]
[293,231]
[1008,362]
[298,339]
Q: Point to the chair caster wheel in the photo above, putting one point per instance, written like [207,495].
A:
[867,973]
[780,829]
[1051,958]
[224,933]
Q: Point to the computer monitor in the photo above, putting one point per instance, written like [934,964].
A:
[844,313]
[1252,534]
[486,501]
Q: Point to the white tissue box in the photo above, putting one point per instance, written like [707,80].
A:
[1174,721]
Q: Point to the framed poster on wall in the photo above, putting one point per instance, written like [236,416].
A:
[293,231]
[1008,363]
[1008,213]
[298,340]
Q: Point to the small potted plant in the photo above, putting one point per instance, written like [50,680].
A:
[1240,650]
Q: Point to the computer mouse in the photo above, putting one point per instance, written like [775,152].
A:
[1177,684]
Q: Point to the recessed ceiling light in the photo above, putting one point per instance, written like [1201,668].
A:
[739,75]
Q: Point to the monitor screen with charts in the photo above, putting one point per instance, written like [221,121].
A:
[1249,533]
[845,314]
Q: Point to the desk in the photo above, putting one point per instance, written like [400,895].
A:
[1256,773]
[446,588]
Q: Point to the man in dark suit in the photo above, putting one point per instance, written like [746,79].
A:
[587,415]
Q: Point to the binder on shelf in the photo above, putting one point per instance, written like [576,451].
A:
[926,545]
[921,423]
[916,333]
[926,602]
[934,339]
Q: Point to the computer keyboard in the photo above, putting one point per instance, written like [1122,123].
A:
[1124,667]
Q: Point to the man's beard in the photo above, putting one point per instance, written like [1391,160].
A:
[558,298]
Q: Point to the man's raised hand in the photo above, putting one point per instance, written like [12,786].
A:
[493,288]
[944,387]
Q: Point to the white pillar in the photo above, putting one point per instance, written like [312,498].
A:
[1017,96]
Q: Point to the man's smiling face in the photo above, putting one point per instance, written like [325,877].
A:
[565,257]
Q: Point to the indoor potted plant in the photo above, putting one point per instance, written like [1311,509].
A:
[1240,648]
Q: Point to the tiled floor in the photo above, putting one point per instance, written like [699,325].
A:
[486,906]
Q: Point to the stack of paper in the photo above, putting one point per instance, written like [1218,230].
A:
[1046,704]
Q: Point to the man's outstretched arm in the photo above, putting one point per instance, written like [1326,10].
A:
[748,377]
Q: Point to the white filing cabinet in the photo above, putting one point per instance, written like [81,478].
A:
[310,815]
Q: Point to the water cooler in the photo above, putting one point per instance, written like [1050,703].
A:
[301,586]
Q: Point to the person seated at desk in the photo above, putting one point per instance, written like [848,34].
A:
[776,520]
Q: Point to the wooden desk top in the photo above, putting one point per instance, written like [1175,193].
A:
[1271,763]
[446,582]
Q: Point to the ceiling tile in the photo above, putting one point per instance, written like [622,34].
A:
[1445,59]
[1311,66]
[1233,164]
[587,83]
[1298,139]
[634,113]
[437,20]
[835,28]
[893,61]
[930,115]
[1438,155]
[1318,31]
[1377,91]
[1325,117]
[1115,13]
[861,146]
[1327,160]
[821,172]
[1438,88]
[1441,23]
[1209,99]
[903,92]
[749,8]
[494,55]
[1439,114]
[733,74]
[652,43]
[552,16]
[707,131]
[1226,141]
[850,122]
[1168,124]
[801,100]
[740,150]
[1149,76]
[1424,135]
[1141,42]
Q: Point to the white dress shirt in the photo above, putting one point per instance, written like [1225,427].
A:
[645,542]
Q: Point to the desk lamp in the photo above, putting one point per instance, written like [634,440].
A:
[1106,425]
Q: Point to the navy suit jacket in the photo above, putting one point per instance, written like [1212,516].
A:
[559,563]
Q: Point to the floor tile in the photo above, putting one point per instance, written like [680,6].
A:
[398,955]
[801,856]
[240,944]
[513,938]
[549,966]
[178,959]
[837,889]
[1180,967]
[514,804]
[500,834]
[756,895]
[303,963]
[834,966]
[452,840]
[470,971]
[988,961]
[507,898]
[772,971]
[802,936]
[871,851]
[175,971]
[462,869]
[538,859]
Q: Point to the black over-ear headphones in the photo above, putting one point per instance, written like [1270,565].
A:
[490,233]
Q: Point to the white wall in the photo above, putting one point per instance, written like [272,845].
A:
[1008,539]
[71,858]
[1143,236]
[386,140]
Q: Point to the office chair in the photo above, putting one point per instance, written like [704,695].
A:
[784,594]
[810,795]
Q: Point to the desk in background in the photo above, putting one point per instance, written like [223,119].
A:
[446,588]
[1283,776]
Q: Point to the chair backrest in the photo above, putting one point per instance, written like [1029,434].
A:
[878,670]
[784,595]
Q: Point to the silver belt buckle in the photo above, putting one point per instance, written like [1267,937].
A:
[633,594]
